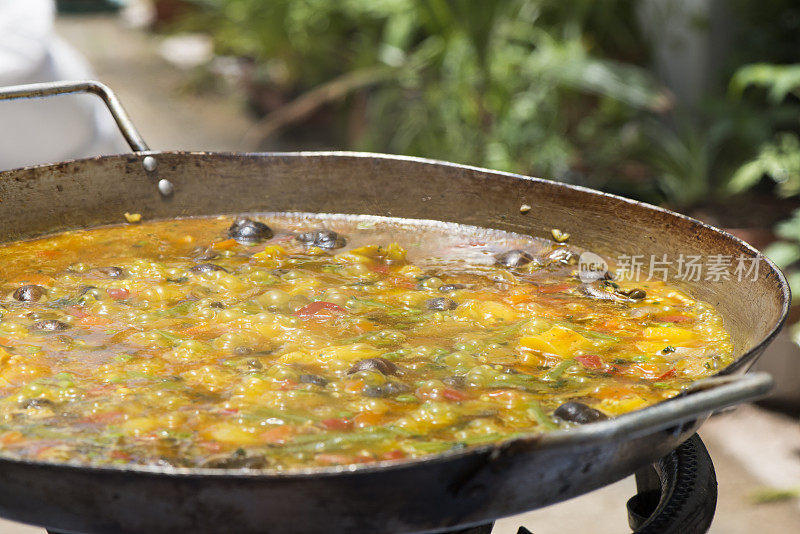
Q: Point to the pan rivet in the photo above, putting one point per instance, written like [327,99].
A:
[525,208]
[149,163]
[165,187]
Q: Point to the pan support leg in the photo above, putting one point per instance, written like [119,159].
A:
[677,494]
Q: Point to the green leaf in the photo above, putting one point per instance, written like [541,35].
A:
[779,80]
[783,253]
[746,177]
[794,284]
[779,159]
[770,495]
[790,228]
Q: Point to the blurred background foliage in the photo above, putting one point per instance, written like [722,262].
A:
[564,90]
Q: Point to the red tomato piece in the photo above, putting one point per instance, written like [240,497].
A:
[77,312]
[118,294]
[669,374]
[278,434]
[393,455]
[554,288]
[120,455]
[675,318]
[379,268]
[590,361]
[337,423]
[319,307]
[453,395]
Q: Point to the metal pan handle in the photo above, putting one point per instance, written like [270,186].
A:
[702,398]
[40,90]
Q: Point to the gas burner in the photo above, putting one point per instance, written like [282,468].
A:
[675,495]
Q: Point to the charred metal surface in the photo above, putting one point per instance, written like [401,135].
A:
[461,488]
[414,497]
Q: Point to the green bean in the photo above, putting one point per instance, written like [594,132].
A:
[505,333]
[535,409]
[370,302]
[431,447]
[328,441]
[484,438]
[175,310]
[556,372]
[169,336]
[266,413]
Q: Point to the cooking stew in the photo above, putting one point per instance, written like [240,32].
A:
[280,341]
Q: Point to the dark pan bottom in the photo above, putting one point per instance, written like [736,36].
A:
[676,495]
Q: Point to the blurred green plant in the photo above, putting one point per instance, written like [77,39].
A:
[779,80]
[520,85]
[696,155]
[709,152]
[785,252]
[296,45]
[540,87]
[508,91]
[682,156]
[779,157]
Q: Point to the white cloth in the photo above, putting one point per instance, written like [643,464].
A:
[55,128]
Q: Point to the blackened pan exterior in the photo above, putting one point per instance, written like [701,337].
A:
[429,494]
[422,496]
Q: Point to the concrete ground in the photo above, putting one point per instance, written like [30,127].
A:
[753,449]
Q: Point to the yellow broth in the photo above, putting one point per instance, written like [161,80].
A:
[171,343]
